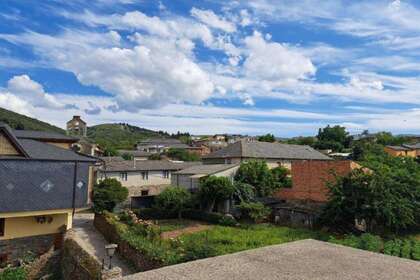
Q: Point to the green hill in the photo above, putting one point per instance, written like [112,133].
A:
[120,135]
[18,121]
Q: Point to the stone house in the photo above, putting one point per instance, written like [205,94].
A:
[405,150]
[275,154]
[142,178]
[42,185]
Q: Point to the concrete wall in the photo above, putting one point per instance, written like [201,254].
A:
[24,224]
[309,179]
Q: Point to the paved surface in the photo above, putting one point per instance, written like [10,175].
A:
[300,260]
[93,241]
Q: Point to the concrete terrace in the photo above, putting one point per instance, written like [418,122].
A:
[300,260]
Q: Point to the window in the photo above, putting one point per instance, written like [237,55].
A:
[145,175]
[166,174]
[144,192]
[2,222]
[123,176]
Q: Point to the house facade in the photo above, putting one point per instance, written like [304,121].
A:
[405,150]
[142,178]
[42,185]
[158,145]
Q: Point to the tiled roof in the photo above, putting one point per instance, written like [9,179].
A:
[135,153]
[206,169]
[412,146]
[265,150]
[145,165]
[398,148]
[43,135]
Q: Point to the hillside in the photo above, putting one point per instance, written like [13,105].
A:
[120,135]
[18,121]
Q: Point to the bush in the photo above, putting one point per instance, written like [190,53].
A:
[173,200]
[416,250]
[11,273]
[255,211]
[406,249]
[371,242]
[107,194]
[213,189]
[154,214]
[212,218]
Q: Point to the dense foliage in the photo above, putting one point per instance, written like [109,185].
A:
[405,248]
[173,200]
[215,189]
[387,196]
[335,138]
[282,177]
[257,174]
[11,273]
[107,194]
[256,211]
[267,138]
[182,154]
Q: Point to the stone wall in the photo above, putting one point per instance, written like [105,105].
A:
[139,261]
[78,264]
[310,177]
[11,250]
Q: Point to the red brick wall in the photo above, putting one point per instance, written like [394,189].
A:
[309,179]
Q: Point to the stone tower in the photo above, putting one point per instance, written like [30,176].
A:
[77,127]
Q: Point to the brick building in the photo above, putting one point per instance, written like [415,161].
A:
[310,178]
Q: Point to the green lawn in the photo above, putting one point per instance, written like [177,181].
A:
[175,224]
[224,240]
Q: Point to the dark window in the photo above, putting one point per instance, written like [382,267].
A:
[145,175]
[2,222]
[145,192]
[166,174]
[3,259]
[123,176]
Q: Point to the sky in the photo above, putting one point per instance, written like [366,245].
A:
[211,66]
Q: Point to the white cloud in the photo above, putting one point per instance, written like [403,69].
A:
[209,18]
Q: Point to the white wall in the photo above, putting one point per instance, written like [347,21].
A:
[134,178]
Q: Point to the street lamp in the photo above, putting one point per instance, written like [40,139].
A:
[110,251]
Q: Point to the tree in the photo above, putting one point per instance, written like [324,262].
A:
[173,199]
[335,138]
[107,194]
[213,189]
[281,177]
[267,138]
[127,156]
[257,174]
[387,197]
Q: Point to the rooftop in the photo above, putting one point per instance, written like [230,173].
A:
[145,165]
[398,148]
[265,150]
[300,260]
[43,135]
[206,169]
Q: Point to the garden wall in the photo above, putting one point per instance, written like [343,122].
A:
[78,264]
[125,250]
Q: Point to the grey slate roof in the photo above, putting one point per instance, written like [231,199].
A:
[145,165]
[135,153]
[43,135]
[265,150]
[412,146]
[206,169]
[399,148]
[44,151]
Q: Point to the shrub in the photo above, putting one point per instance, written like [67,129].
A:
[107,194]
[213,189]
[281,177]
[254,210]
[11,273]
[212,218]
[406,249]
[173,199]
[349,240]
[371,242]
[416,250]
[154,214]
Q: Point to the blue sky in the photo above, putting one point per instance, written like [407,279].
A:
[250,67]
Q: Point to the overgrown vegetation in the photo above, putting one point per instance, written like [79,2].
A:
[173,200]
[12,273]
[267,138]
[182,154]
[256,211]
[215,189]
[107,194]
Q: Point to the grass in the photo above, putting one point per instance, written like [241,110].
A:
[174,224]
[224,240]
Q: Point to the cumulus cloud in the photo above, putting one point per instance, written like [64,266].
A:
[209,18]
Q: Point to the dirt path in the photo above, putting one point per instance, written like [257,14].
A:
[93,241]
[190,229]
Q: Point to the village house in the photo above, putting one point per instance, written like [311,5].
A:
[43,183]
[405,150]
[136,154]
[275,154]
[77,127]
[190,177]
[159,145]
[144,179]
